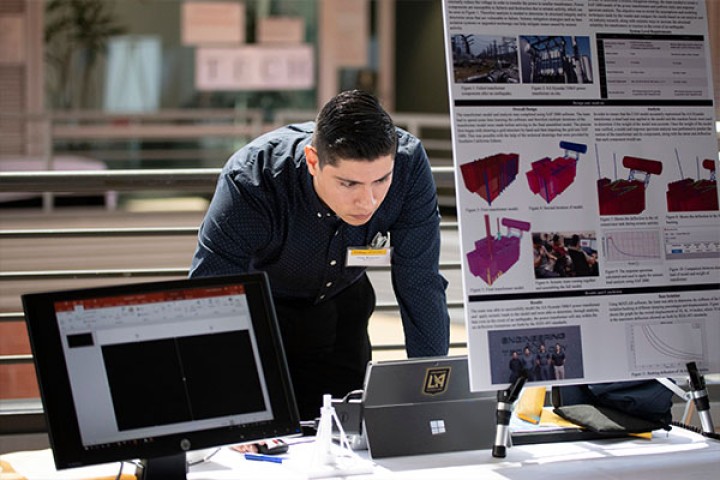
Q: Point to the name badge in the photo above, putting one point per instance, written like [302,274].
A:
[368,257]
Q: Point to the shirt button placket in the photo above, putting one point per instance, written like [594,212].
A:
[331,273]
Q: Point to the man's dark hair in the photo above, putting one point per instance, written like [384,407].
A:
[353,126]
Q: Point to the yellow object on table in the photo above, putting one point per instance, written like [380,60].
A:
[530,404]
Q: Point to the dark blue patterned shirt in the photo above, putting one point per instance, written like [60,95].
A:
[266,216]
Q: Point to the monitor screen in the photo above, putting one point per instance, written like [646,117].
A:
[153,370]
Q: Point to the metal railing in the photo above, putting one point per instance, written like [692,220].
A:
[196,180]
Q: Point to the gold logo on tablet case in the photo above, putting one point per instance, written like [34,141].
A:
[436,380]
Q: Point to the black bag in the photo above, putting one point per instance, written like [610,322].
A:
[632,407]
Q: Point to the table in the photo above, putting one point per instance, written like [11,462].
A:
[668,455]
[59,163]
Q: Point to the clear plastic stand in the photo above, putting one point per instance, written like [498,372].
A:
[329,459]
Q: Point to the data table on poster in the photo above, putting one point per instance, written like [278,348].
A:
[648,67]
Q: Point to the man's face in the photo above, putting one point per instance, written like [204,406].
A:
[353,189]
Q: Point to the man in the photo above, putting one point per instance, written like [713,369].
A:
[529,364]
[299,203]
[581,261]
[558,361]
[559,251]
[516,367]
[544,363]
[543,261]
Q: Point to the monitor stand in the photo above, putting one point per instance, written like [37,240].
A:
[171,467]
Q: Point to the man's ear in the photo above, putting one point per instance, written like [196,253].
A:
[312,160]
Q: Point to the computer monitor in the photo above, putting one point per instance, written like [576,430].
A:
[149,371]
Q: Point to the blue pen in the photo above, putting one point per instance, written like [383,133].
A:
[263,458]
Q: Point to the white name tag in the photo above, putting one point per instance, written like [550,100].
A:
[368,257]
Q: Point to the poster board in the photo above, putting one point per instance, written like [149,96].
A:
[590,123]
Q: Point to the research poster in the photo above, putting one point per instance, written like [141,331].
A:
[585,158]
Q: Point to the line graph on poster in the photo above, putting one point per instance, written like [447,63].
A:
[666,346]
[633,246]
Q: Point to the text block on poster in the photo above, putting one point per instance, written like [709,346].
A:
[255,68]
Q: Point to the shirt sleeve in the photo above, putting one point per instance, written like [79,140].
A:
[419,287]
[235,225]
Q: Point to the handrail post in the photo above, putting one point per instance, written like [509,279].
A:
[48,198]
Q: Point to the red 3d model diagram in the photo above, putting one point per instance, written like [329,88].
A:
[549,178]
[688,195]
[493,256]
[626,197]
[489,176]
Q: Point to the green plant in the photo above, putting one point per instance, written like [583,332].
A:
[76,36]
